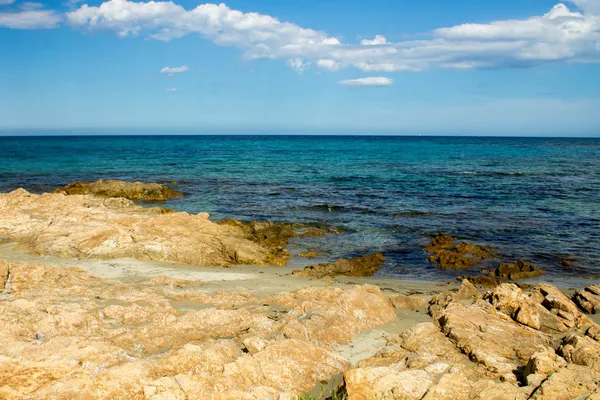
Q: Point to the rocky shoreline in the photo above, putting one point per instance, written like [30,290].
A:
[67,334]
[176,334]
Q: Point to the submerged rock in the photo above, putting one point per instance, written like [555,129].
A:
[128,190]
[445,254]
[365,265]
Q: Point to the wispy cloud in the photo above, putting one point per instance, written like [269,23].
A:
[174,70]
[30,5]
[30,19]
[170,90]
[6,2]
[298,65]
[374,81]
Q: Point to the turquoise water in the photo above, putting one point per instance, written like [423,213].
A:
[532,198]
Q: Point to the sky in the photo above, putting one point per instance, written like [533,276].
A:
[461,67]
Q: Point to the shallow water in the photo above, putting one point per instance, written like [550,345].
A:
[533,198]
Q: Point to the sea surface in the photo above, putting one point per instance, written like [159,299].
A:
[532,198]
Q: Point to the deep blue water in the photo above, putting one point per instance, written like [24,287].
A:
[532,198]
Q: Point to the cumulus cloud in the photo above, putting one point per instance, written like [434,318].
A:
[379,39]
[564,34]
[30,19]
[175,70]
[374,81]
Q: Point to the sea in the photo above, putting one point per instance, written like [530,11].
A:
[531,198]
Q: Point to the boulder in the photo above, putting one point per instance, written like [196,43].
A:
[114,188]
[365,265]
[589,299]
[409,302]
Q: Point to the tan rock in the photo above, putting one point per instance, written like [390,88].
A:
[544,362]
[254,344]
[581,350]
[65,334]
[572,382]
[409,302]
[489,338]
[86,226]
[386,384]
[589,299]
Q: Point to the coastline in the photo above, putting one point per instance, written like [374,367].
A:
[79,319]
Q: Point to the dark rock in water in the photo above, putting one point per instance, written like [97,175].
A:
[327,207]
[269,234]
[516,270]
[445,254]
[309,254]
[129,190]
[365,265]
[589,299]
[275,236]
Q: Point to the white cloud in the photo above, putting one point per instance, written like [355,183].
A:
[175,70]
[375,81]
[30,19]
[329,64]
[379,39]
[170,90]
[6,2]
[562,34]
[298,65]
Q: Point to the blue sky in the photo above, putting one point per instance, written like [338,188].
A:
[512,67]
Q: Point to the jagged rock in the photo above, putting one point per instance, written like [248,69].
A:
[589,299]
[365,265]
[571,382]
[487,347]
[467,291]
[88,226]
[511,300]
[386,384]
[445,254]
[481,280]
[513,271]
[115,188]
[66,334]
[581,350]
[500,345]
[544,362]
[409,302]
